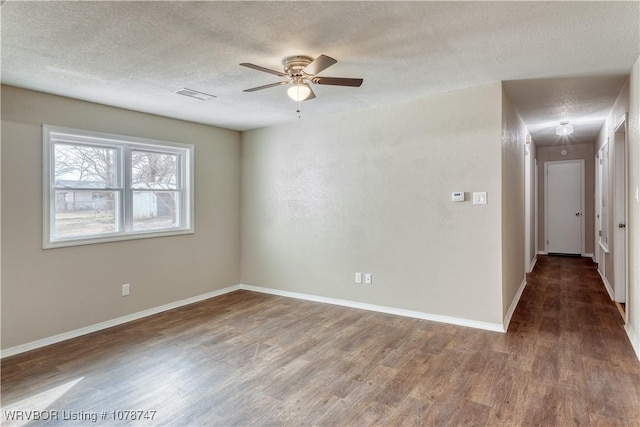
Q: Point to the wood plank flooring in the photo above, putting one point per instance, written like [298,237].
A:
[251,359]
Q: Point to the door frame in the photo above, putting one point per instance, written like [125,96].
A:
[546,202]
[527,209]
[596,210]
[536,218]
[621,209]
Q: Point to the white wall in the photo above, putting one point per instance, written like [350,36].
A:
[371,192]
[47,292]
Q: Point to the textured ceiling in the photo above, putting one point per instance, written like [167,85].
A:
[563,60]
[585,102]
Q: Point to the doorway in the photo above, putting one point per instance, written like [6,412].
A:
[620,248]
[564,207]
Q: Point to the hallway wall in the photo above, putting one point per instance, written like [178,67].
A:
[633,327]
[620,107]
[513,202]
[627,101]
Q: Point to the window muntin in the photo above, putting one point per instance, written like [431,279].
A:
[101,187]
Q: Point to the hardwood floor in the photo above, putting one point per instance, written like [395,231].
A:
[251,359]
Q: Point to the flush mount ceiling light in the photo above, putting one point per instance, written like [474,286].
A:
[564,129]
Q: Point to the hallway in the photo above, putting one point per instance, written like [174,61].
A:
[582,367]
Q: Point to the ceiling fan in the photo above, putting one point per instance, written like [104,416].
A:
[302,70]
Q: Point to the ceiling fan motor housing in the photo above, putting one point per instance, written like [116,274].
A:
[293,65]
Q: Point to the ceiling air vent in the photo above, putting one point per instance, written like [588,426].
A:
[195,94]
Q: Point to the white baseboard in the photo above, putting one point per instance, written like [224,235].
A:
[607,285]
[110,323]
[633,338]
[514,304]
[496,327]
[533,264]
[542,252]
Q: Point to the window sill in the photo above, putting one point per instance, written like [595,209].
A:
[63,243]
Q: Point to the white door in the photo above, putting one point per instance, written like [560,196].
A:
[564,206]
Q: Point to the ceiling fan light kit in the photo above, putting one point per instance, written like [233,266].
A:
[299,92]
[301,71]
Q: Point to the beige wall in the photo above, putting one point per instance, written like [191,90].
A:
[574,152]
[371,192]
[513,193]
[47,292]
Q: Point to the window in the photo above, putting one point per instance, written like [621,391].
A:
[100,187]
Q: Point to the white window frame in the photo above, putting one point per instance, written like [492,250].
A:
[124,210]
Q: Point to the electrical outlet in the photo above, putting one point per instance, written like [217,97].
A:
[125,289]
[367,278]
[358,277]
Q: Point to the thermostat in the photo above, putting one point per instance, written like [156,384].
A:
[458,196]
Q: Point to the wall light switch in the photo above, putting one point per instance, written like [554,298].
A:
[358,277]
[125,289]
[480,198]
[367,278]
[458,196]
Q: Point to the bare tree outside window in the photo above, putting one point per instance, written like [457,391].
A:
[79,171]
[153,170]
[154,175]
[86,164]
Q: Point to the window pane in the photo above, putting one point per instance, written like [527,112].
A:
[105,187]
[157,171]
[83,166]
[154,210]
[85,213]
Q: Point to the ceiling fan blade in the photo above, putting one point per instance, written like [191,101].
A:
[253,89]
[322,62]
[311,94]
[266,70]
[337,81]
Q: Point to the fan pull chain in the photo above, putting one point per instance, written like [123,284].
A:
[298,110]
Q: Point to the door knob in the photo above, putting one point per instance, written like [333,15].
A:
[578,213]
[621,225]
